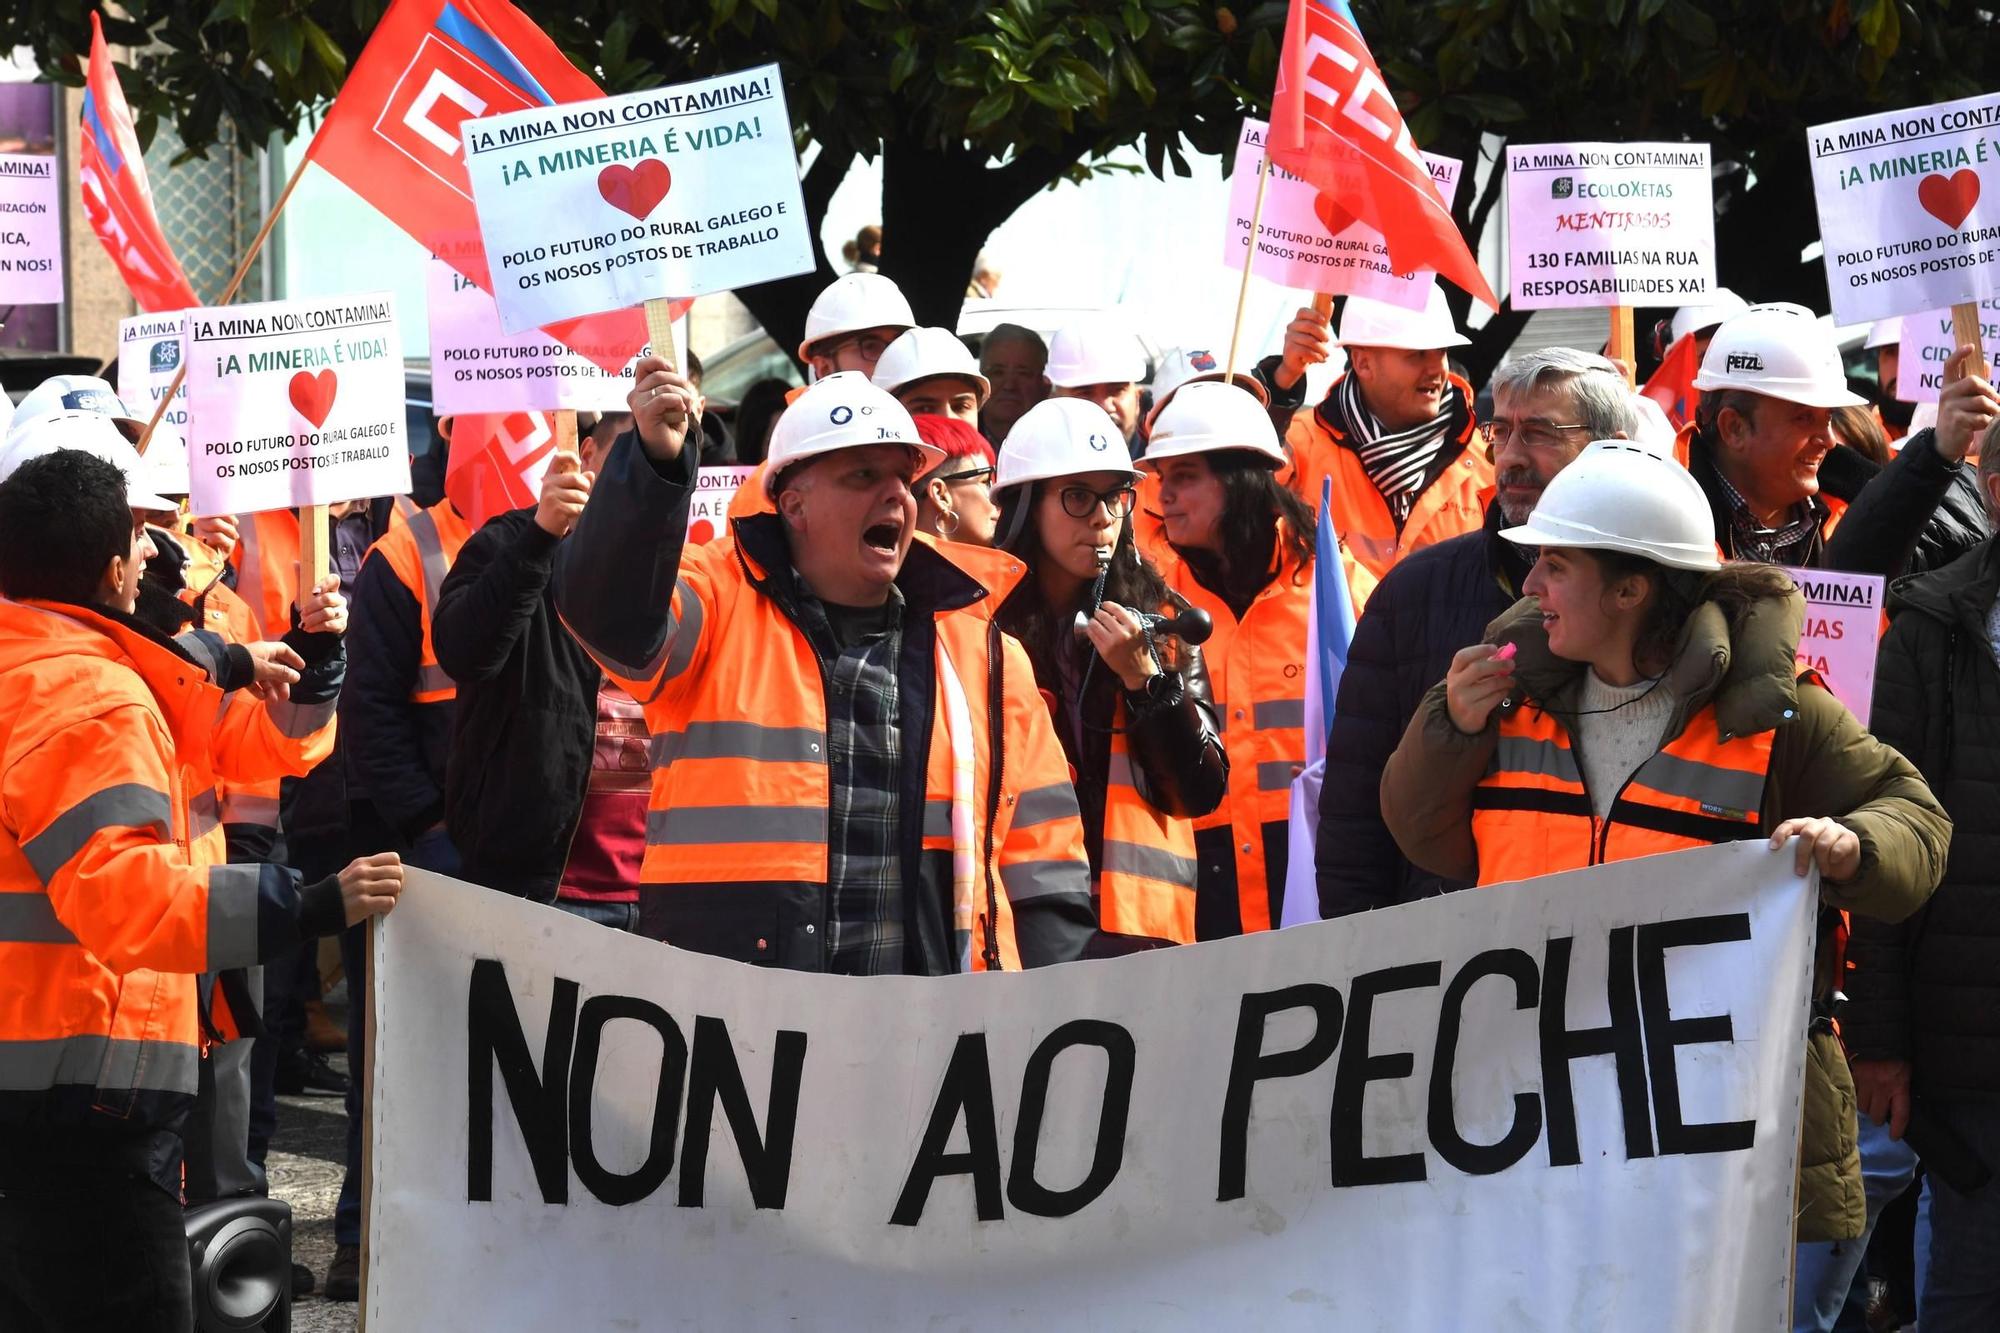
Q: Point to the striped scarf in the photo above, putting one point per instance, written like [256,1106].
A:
[1398,462]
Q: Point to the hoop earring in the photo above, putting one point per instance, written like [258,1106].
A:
[946,533]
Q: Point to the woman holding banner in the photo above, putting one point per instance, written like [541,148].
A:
[1128,692]
[1644,698]
[1238,545]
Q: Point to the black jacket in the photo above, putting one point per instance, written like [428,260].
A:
[396,749]
[1927,989]
[527,710]
[1436,601]
[1934,504]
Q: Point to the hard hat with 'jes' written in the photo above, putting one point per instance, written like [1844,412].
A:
[1209,415]
[842,411]
[853,303]
[927,353]
[1061,437]
[1621,496]
[1097,350]
[1370,323]
[1781,351]
[88,432]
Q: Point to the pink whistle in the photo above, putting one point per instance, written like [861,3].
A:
[1506,652]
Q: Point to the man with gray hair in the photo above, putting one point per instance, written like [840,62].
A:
[1547,405]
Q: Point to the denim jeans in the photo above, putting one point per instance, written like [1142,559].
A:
[433,851]
[1962,1289]
[1825,1270]
[618,916]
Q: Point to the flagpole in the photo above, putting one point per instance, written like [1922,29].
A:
[228,295]
[1249,260]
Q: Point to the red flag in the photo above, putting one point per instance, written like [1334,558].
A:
[1672,385]
[1331,106]
[392,136]
[116,197]
[497,461]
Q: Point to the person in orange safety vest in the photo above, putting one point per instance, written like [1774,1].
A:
[114,892]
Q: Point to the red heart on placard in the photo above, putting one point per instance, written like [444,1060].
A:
[1949,199]
[313,394]
[1331,215]
[635,190]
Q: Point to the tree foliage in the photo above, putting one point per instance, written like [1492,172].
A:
[973,106]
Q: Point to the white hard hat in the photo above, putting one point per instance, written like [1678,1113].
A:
[1371,323]
[1094,351]
[1884,333]
[1618,495]
[1061,437]
[1207,416]
[1781,351]
[855,302]
[85,393]
[842,411]
[89,432]
[924,354]
[163,468]
[1693,318]
[1188,365]
[1655,431]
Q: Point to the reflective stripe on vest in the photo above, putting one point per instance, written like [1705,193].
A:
[1147,872]
[420,550]
[1531,814]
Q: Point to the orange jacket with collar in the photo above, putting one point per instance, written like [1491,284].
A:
[1452,505]
[1256,667]
[736,861]
[113,891]
[421,548]
[266,558]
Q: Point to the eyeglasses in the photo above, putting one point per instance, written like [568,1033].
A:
[1533,433]
[979,474]
[870,345]
[1082,502]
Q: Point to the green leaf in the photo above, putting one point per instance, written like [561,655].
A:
[768,8]
[325,50]
[903,66]
[989,109]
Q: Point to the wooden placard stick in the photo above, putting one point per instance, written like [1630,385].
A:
[567,458]
[660,329]
[314,555]
[1619,346]
[1965,329]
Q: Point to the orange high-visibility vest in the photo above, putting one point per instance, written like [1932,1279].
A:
[421,551]
[1531,815]
[741,784]
[1146,878]
[1452,505]
[1257,670]
[113,887]
[267,561]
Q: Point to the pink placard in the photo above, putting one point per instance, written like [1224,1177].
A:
[31,259]
[1842,630]
[1308,242]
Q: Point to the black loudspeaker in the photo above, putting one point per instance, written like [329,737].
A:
[240,1251]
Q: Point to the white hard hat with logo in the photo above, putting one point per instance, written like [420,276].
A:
[1097,350]
[1781,351]
[1191,365]
[88,393]
[1618,495]
[853,303]
[1370,323]
[927,353]
[1061,437]
[1725,304]
[842,411]
[89,432]
[1207,416]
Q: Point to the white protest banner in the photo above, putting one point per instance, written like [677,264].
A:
[1308,241]
[477,368]
[1573,1100]
[295,403]
[1610,224]
[150,351]
[1927,343]
[1900,207]
[31,256]
[714,488]
[1843,629]
[679,191]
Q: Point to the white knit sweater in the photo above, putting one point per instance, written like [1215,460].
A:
[1617,728]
